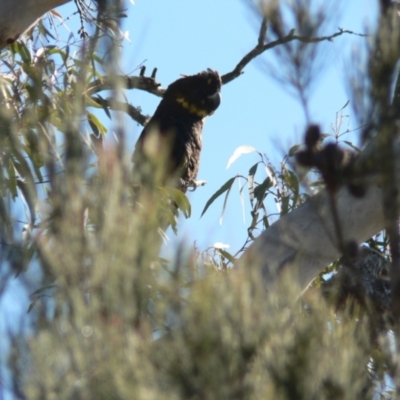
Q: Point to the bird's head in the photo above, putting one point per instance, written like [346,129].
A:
[199,94]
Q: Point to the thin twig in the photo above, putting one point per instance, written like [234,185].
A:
[150,84]
[263,32]
[262,46]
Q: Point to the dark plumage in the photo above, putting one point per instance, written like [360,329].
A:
[168,149]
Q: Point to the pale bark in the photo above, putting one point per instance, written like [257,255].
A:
[16,16]
[304,241]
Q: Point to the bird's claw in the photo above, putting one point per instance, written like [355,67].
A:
[193,185]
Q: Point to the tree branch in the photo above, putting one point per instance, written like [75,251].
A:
[302,240]
[17,16]
[141,82]
[262,46]
[115,105]
[148,84]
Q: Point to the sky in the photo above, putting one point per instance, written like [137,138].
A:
[187,36]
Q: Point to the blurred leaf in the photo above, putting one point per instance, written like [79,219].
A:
[293,183]
[260,190]
[12,180]
[284,205]
[33,150]
[352,146]
[30,198]
[37,164]
[47,32]
[26,252]
[6,226]
[294,149]
[224,205]
[227,255]
[226,186]
[21,49]
[254,221]
[238,152]
[31,305]
[56,14]
[250,181]
[98,101]
[42,289]
[96,125]
[180,198]
[253,169]
[347,103]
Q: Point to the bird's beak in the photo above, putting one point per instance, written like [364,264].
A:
[215,99]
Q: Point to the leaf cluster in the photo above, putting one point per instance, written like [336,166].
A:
[113,320]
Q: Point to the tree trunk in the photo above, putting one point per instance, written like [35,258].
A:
[305,240]
[16,16]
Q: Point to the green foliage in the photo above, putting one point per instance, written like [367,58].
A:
[228,340]
[112,319]
[278,190]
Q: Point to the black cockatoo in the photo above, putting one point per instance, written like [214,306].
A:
[168,149]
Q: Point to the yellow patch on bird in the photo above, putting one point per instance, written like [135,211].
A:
[182,101]
[192,108]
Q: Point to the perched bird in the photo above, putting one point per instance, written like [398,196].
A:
[168,149]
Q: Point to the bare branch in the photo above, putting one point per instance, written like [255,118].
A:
[131,110]
[127,82]
[263,32]
[141,82]
[262,46]
[150,84]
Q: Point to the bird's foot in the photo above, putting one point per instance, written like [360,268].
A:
[193,185]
